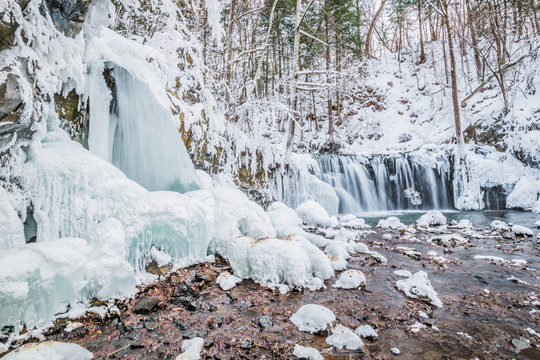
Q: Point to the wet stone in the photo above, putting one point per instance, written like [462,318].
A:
[521,343]
[266,322]
[146,305]
[151,325]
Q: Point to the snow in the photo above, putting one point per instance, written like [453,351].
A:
[191,349]
[395,351]
[448,240]
[537,223]
[350,279]
[432,218]
[391,223]
[403,273]
[294,262]
[227,281]
[522,231]
[344,337]
[419,286]
[499,225]
[366,331]
[308,353]
[526,193]
[313,318]
[11,227]
[49,350]
[416,327]
[313,214]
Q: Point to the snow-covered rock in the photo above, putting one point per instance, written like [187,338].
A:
[49,350]
[416,327]
[313,214]
[403,273]
[448,240]
[313,318]
[227,281]
[537,224]
[522,230]
[308,353]
[432,218]
[419,286]
[391,223]
[366,331]
[344,337]
[191,349]
[526,193]
[11,226]
[350,279]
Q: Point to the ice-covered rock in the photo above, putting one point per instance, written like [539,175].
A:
[227,281]
[366,331]
[313,214]
[525,194]
[344,337]
[537,224]
[499,225]
[419,286]
[431,218]
[294,262]
[308,353]
[403,273]
[350,279]
[337,262]
[49,350]
[448,240]
[522,230]
[313,318]
[416,327]
[339,248]
[391,223]
[11,226]
[191,349]
[351,221]
[395,351]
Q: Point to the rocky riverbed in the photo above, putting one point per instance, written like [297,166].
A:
[487,280]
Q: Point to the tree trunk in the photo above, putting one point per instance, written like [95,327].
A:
[422,58]
[367,49]
[294,90]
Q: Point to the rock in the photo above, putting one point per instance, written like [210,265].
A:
[8,26]
[395,351]
[151,325]
[68,15]
[519,230]
[154,268]
[266,322]
[521,343]
[10,99]
[146,305]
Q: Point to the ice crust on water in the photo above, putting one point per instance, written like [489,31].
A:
[191,349]
[308,353]
[49,350]
[313,214]
[11,227]
[313,318]
[343,337]
[350,279]
[419,286]
[432,218]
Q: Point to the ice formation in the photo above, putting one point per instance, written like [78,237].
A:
[351,279]
[432,218]
[313,318]
[522,230]
[419,286]
[313,214]
[343,337]
[403,273]
[391,223]
[227,281]
[309,353]
[11,227]
[366,331]
[191,349]
[49,350]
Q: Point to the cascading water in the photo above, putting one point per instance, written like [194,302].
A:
[387,183]
[142,139]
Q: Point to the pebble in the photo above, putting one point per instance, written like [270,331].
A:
[146,305]
[266,322]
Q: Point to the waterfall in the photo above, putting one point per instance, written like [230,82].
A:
[384,183]
[142,138]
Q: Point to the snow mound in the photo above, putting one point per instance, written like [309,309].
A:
[499,225]
[11,227]
[419,286]
[344,337]
[526,193]
[351,221]
[366,331]
[227,281]
[49,350]
[191,349]
[350,279]
[392,223]
[522,231]
[432,218]
[308,353]
[313,214]
[313,318]
[294,262]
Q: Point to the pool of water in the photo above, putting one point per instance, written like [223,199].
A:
[477,218]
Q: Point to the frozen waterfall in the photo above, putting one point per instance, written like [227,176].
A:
[142,138]
[383,183]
